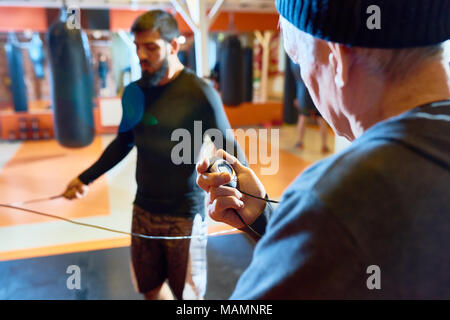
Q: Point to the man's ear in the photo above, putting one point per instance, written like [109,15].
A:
[339,59]
[174,46]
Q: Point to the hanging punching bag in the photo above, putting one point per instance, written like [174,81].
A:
[248,74]
[71,84]
[290,94]
[36,53]
[90,67]
[16,74]
[232,72]
[191,59]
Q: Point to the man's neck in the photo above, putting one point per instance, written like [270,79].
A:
[174,70]
[428,84]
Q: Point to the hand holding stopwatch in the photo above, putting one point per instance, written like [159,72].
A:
[217,164]
[221,165]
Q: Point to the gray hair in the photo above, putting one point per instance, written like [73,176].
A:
[392,64]
[396,64]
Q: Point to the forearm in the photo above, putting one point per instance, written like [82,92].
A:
[113,154]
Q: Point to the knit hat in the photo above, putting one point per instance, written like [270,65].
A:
[371,23]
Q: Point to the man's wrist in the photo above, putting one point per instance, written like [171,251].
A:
[83,180]
[259,225]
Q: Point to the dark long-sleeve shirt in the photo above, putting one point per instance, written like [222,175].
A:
[182,111]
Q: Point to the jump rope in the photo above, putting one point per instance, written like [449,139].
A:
[217,165]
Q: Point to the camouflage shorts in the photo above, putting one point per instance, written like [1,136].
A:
[154,261]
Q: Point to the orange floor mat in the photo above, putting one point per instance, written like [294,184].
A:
[42,169]
[289,167]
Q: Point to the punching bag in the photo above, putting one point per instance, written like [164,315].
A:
[36,53]
[290,113]
[248,74]
[191,58]
[182,55]
[90,67]
[16,74]
[232,72]
[71,85]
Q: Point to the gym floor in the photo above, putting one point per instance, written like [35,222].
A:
[35,251]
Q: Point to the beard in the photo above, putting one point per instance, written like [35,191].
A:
[149,80]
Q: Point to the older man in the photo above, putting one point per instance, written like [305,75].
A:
[372,221]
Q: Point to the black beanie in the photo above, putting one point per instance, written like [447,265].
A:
[404,23]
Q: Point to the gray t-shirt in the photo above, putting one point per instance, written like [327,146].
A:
[384,202]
